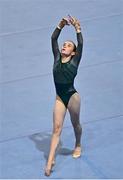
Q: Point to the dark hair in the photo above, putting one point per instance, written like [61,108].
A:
[74,48]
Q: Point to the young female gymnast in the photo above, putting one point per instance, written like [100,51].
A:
[65,67]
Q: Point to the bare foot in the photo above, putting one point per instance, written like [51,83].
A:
[48,168]
[77,152]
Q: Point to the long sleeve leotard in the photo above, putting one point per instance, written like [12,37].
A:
[65,73]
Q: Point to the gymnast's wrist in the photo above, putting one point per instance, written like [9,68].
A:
[78,29]
[59,27]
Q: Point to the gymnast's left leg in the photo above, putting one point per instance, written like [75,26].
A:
[74,110]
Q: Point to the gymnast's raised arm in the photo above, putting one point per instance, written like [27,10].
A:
[54,38]
[78,54]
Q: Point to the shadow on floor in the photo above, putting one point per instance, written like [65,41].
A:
[42,143]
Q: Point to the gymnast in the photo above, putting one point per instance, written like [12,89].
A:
[66,62]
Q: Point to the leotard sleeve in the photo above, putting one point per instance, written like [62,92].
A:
[77,57]
[54,42]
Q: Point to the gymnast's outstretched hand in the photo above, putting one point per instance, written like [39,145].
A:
[63,22]
[75,23]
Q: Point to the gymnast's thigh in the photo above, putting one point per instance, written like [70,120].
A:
[59,112]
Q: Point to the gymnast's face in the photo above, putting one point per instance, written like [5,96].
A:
[67,48]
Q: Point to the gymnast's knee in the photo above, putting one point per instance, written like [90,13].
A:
[57,130]
[78,127]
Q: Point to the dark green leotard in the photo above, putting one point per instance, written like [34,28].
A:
[64,73]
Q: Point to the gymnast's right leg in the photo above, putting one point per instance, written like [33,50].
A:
[58,119]
[74,110]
